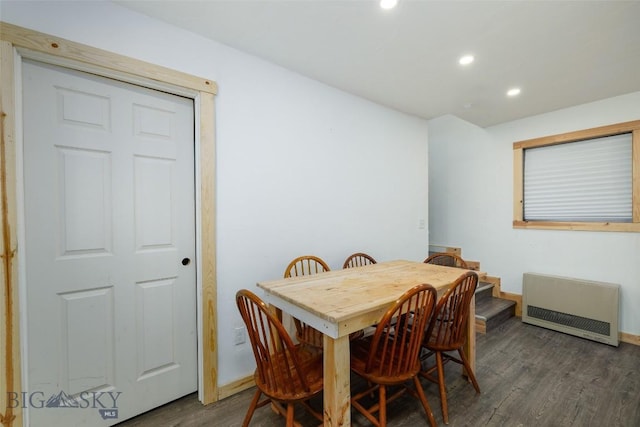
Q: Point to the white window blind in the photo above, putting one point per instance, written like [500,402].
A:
[584,181]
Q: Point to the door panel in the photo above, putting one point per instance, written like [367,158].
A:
[87,340]
[153,196]
[85,227]
[109,215]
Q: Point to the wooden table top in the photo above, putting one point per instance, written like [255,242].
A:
[339,295]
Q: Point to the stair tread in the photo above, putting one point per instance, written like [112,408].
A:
[491,307]
[483,287]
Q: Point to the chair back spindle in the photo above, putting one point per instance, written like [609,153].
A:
[398,337]
[446,259]
[358,259]
[305,265]
[448,327]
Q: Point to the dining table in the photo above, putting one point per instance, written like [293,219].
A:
[339,302]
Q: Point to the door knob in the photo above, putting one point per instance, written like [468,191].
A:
[186,261]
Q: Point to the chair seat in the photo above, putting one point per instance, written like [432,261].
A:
[310,360]
[434,344]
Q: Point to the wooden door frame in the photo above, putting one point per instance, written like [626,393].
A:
[13,40]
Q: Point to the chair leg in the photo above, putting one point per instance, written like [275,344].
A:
[290,420]
[252,407]
[423,400]
[383,406]
[470,373]
[441,386]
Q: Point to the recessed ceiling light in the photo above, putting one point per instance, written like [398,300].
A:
[466,60]
[513,92]
[388,4]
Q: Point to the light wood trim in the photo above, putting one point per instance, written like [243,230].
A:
[39,42]
[10,379]
[473,265]
[496,282]
[632,127]
[579,226]
[629,338]
[236,387]
[15,37]
[598,132]
[445,249]
[517,298]
[635,164]
[518,185]
[208,241]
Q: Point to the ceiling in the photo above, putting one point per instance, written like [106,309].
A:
[560,53]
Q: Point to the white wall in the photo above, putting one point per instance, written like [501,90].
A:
[301,168]
[471,204]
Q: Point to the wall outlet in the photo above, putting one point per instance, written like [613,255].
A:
[239,335]
[421,224]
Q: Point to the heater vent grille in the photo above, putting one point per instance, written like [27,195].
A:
[584,323]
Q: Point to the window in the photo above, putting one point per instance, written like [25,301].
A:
[585,180]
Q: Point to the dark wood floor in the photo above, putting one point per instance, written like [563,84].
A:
[529,376]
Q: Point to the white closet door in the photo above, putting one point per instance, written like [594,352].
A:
[110,247]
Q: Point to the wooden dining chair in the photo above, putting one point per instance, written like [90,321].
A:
[389,357]
[447,332]
[358,259]
[447,259]
[304,266]
[285,373]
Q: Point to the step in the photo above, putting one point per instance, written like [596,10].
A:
[491,312]
[483,291]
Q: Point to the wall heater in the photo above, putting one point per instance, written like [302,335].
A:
[583,308]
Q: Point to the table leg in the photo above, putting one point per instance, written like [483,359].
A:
[337,382]
[470,345]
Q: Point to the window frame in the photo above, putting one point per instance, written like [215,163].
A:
[519,147]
